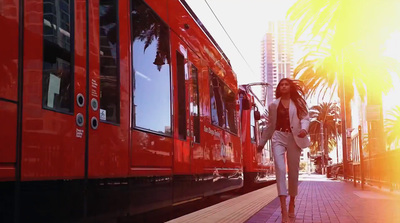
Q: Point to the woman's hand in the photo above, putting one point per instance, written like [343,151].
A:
[302,133]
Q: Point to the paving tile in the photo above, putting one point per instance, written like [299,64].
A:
[336,201]
[319,200]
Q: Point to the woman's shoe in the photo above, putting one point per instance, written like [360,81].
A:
[291,214]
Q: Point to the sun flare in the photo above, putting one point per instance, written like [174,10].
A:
[392,50]
[392,47]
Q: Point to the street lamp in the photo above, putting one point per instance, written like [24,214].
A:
[337,121]
[321,124]
[337,140]
[322,146]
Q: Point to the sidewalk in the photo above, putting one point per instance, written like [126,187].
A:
[324,200]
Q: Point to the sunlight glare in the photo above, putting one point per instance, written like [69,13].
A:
[392,48]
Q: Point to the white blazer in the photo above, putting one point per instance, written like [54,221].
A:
[295,124]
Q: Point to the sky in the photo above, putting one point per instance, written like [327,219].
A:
[246,22]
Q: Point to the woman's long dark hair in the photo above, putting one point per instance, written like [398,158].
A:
[296,95]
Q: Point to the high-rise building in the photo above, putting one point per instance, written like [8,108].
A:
[277,56]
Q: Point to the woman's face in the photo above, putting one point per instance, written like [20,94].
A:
[284,87]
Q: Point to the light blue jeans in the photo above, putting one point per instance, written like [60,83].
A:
[284,142]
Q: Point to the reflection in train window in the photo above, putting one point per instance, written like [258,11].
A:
[229,99]
[180,67]
[109,62]
[223,104]
[194,105]
[151,70]
[58,50]
[217,105]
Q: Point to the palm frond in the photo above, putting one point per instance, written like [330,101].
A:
[392,126]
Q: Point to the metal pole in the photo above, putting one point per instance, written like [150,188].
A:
[337,140]
[361,157]
[322,148]
[342,97]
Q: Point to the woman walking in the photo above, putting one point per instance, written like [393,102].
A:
[288,123]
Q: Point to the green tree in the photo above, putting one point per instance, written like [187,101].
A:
[392,127]
[345,48]
[368,72]
[324,113]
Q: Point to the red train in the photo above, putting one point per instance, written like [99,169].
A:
[116,108]
[258,166]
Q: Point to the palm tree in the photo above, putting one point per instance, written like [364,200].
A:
[392,127]
[319,71]
[350,35]
[325,114]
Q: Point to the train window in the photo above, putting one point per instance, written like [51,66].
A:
[223,104]
[151,70]
[252,126]
[217,105]
[109,61]
[58,52]
[180,60]
[194,105]
[229,99]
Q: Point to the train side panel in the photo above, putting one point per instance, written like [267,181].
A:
[8,88]
[125,105]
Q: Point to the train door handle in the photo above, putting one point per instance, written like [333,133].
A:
[80,119]
[80,100]
[94,104]
[94,123]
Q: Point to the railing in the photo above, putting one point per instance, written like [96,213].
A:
[354,158]
[381,170]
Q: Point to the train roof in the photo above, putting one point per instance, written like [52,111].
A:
[204,29]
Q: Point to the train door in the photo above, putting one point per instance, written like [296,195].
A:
[9,103]
[194,66]
[50,161]
[54,90]
[108,89]
[73,90]
[188,154]
[75,120]
[182,134]
[8,88]
[187,150]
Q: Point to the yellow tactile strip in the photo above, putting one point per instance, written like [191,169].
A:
[237,209]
